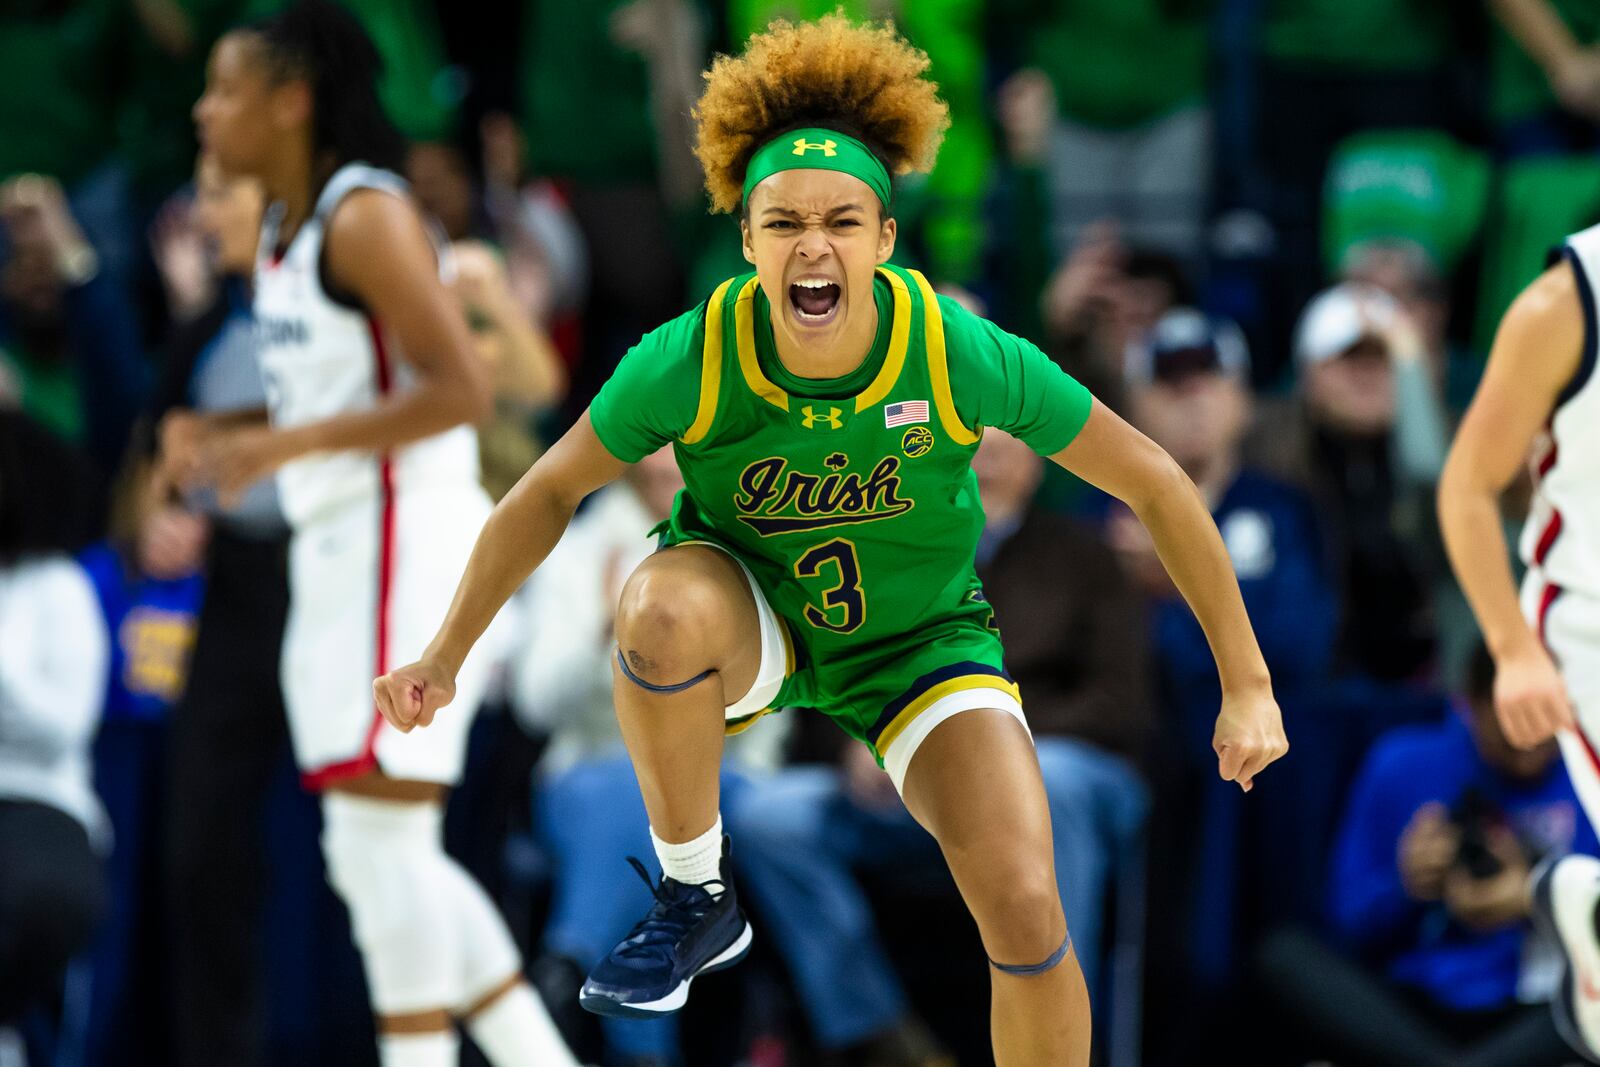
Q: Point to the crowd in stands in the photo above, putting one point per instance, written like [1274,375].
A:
[1276,235]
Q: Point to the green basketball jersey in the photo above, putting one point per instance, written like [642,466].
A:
[853,500]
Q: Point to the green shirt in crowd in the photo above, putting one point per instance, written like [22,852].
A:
[58,79]
[1114,65]
[1519,88]
[585,99]
[1357,35]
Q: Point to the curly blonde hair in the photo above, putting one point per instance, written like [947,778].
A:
[862,80]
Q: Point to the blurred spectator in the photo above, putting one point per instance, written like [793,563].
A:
[62,63]
[1103,298]
[151,621]
[588,74]
[1077,649]
[1545,77]
[1370,445]
[67,332]
[1421,189]
[587,806]
[163,51]
[1429,391]
[1329,69]
[441,178]
[53,665]
[1129,136]
[529,375]
[529,378]
[228,733]
[1188,392]
[1429,887]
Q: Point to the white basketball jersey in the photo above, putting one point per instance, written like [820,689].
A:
[322,357]
[1561,541]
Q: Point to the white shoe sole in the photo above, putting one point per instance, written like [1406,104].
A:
[1565,896]
[679,996]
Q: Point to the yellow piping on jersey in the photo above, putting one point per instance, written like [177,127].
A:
[938,369]
[710,368]
[899,340]
[744,327]
[894,360]
[898,724]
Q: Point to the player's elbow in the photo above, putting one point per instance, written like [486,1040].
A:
[1161,481]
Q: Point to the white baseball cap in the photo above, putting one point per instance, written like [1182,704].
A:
[1337,318]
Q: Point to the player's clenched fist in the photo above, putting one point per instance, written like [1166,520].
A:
[1529,696]
[1249,736]
[409,696]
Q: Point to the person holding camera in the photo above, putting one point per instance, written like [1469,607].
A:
[1429,893]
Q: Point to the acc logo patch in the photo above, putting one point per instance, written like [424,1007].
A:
[917,441]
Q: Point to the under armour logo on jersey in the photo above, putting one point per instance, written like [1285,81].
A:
[802,146]
[812,418]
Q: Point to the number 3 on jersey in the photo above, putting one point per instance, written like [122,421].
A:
[847,594]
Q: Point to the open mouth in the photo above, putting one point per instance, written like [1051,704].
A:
[814,300]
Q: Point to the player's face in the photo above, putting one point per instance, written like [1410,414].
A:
[241,111]
[816,237]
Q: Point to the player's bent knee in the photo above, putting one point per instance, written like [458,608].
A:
[1020,922]
[663,622]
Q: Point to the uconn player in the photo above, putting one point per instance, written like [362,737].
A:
[371,384]
[1540,398]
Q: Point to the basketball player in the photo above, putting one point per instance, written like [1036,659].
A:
[1540,398]
[371,383]
[824,410]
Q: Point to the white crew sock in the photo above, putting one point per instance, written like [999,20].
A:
[516,1031]
[441,1048]
[693,862]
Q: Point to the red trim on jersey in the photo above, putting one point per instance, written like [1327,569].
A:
[368,759]
[1551,592]
[1547,598]
[1547,539]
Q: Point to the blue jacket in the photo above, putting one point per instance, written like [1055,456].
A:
[1270,530]
[1419,945]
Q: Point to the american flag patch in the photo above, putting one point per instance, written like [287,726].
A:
[905,413]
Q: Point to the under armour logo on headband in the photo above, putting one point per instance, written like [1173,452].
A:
[802,146]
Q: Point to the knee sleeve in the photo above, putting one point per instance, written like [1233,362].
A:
[488,956]
[387,862]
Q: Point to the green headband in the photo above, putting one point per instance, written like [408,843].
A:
[817,149]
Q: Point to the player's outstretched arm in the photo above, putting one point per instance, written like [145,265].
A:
[1536,352]
[520,533]
[1115,457]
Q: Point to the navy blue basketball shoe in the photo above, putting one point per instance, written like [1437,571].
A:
[687,932]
